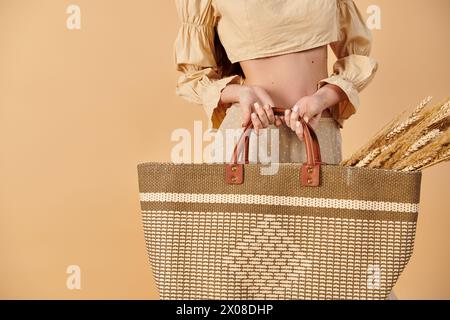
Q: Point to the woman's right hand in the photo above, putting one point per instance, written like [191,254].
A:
[256,106]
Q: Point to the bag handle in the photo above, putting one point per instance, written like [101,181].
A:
[310,171]
[276,111]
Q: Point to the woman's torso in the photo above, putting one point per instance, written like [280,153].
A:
[288,77]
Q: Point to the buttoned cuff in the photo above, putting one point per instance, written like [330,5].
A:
[347,107]
[215,110]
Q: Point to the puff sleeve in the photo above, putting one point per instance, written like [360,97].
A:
[354,69]
[195,55]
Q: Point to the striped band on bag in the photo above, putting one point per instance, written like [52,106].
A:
[350,204]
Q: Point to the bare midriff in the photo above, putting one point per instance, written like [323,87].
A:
[288,77]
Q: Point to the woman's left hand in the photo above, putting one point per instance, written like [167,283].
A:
[310,108]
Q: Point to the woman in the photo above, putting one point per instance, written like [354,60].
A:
[241,58]
[237,55]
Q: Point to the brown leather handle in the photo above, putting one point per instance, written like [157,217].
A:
[309,171]
[310,139]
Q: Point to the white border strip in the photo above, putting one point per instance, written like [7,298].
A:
[279,201]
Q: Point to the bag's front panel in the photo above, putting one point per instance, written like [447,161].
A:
[217,242]
[217,255]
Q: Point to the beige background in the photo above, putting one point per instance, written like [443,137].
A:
[80,109]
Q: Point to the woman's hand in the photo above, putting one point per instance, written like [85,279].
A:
[256,106]
[310,108]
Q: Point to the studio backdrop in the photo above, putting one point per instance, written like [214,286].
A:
[87,91]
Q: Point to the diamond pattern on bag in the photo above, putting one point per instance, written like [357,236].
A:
[267,264]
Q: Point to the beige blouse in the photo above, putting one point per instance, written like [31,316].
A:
[216,34]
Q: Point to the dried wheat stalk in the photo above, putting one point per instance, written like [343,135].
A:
[369,158]
[435,149]
[419,141]
[391,129]
[444,156]
[421,134]
[413,118]
[365,149]
[421,105]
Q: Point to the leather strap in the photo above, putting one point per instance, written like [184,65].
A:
[245,138]
[310,171]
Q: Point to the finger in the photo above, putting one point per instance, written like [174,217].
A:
[266,99]
[294,117]
[269,112]
[307,112]
[278,121]
[299,130]
[256,122]
[246,112]
[282,120]
[261,114]
[287,116]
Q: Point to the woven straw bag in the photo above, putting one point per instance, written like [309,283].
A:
[310,231]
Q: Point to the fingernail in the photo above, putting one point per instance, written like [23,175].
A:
[266,106]
[306,119]
[295,108]
[298,124]
[256,104]
[286,112]
[253,115]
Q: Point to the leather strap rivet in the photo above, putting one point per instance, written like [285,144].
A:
[310,181]
[233,168]
[310,169]
[233,178]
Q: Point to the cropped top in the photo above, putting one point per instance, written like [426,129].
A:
[215,35]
